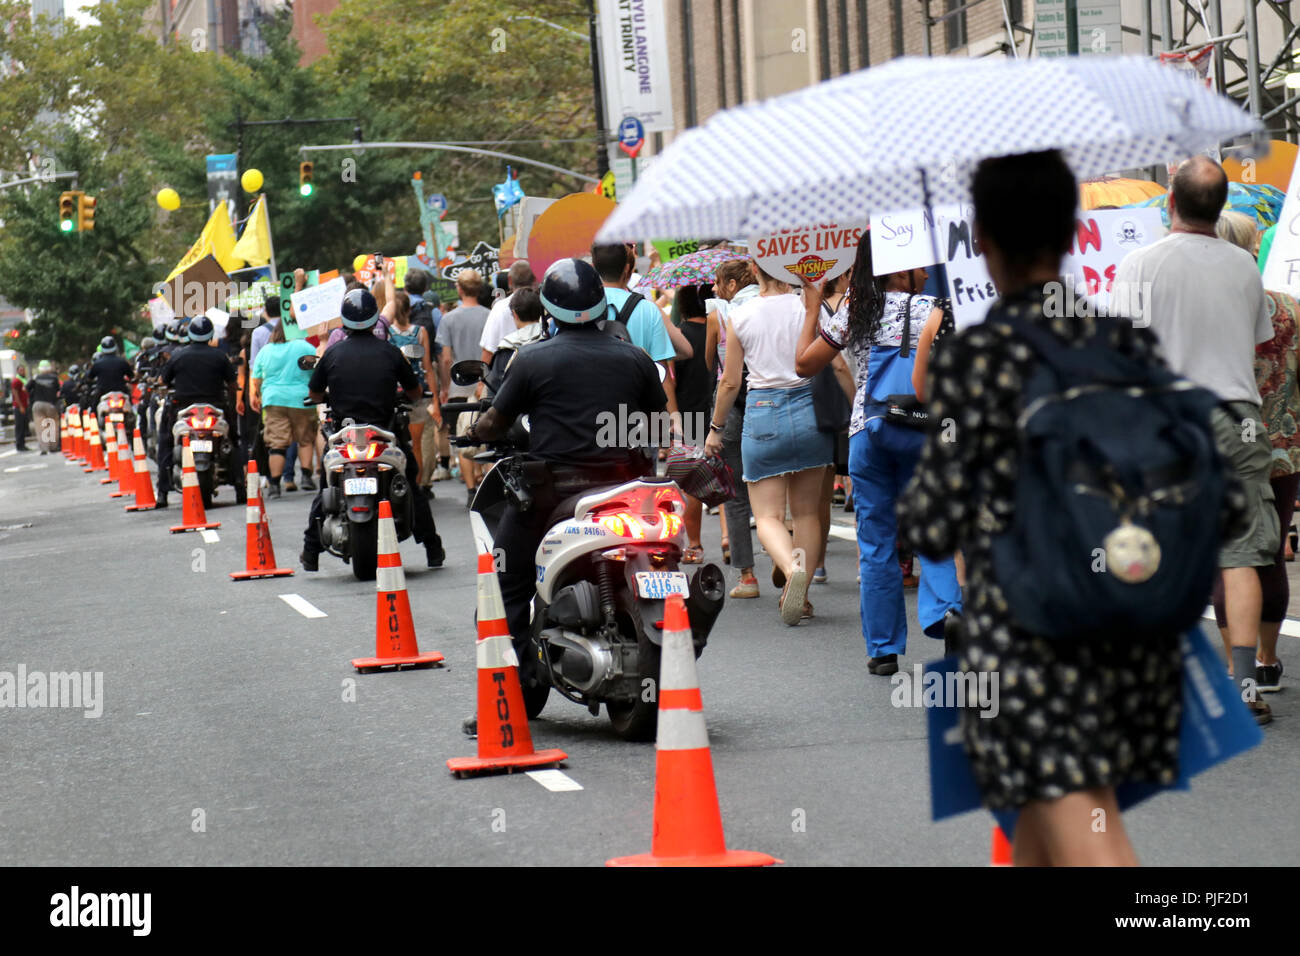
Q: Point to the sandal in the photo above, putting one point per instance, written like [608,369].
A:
[693,554]
[807,611]
[793,598]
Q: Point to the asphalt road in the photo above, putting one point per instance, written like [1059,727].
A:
[226,737]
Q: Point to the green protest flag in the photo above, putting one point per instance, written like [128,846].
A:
[129,349]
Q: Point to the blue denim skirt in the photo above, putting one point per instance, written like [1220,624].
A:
[780,434]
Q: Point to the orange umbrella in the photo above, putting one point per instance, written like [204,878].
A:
[1117,192]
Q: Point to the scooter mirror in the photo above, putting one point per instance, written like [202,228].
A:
[468,372]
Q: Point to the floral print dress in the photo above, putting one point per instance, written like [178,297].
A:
[1072,715]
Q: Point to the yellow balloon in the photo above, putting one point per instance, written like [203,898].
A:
[359,262]
[169,199]
[251,180]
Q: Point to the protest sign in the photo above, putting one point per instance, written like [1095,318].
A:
[1102,238]
[529,211]
[159,311]
[1282,270]
[902,240]
[198,288]
[814,253]
[670,249]
[482,258]
[317,304]
[220,319]
[566,228]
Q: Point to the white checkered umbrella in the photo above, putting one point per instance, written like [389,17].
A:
[837,151]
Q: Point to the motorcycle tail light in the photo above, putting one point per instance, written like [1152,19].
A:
[202,423]
[672,525]
[115,403]
[623,524]
[363,452]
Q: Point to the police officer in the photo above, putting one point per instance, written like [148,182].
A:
[564,384]
[44,393]
[362,374]
[109,371]
[68,390]
[194,374]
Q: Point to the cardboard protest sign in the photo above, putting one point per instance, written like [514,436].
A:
[291,330]
[1102,238]
[903,240]
[814,253]
[202,286]
[1282,270]
[670,249]
[482,258]
[317,304]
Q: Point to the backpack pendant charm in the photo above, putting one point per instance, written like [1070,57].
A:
[1132,553]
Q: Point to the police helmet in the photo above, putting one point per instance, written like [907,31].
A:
[159,331]
[148,342]
[360,310]
[172,331]
[44,367]
[573,293]
[74,370]
[201,329]
[108,344]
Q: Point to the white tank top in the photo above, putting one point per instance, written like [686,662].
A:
[768,328]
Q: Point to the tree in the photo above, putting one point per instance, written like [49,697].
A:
[474,70]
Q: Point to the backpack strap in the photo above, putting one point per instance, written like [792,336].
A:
[905,347]
[624,315]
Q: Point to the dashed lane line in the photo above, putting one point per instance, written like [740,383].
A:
[302,605]
[556,781]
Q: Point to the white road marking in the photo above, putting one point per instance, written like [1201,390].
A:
[302,605]
[845,534]
[6,454]
[10,471]
[555,781]
[210,536]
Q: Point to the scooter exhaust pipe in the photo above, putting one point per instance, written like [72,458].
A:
[708,587]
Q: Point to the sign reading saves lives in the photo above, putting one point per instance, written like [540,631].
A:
[813,253]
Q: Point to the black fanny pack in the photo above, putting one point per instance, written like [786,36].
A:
[906,410]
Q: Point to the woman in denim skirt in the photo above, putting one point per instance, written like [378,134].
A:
[784,455]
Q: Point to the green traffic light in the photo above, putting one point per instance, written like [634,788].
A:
[66,225]
[305,189]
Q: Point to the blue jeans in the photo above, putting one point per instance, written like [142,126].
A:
[881,461]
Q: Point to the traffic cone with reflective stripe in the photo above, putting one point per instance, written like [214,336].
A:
[65,436]
[80,448]
[259,556]
[125,471]
[193,517]
[96,462]
[110,454]
[504,741]
[144,499]
[1000,855]
[687,818]
[395,644]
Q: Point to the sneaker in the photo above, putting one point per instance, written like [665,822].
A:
[307,484]
[435,555]
[310,561]
[441,474]
[1262,713]
[469,727]
[884,665]
[819,576]
[161,499]
[290,486]
[747,588]
[1268,677]
[273,491]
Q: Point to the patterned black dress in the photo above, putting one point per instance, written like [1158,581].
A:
[1073,716]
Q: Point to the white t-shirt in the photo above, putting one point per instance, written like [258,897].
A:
[500,323]
[1203,299]
[768,327]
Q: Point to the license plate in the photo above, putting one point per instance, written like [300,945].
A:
[657,585]
[361,486]
[200,444]
[117,417]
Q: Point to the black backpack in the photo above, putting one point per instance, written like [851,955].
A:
[616,324]
[1118,499]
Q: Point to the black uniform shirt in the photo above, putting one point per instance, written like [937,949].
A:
[199,374]
[110,373]
[362,374]
[44,388]
[588,396]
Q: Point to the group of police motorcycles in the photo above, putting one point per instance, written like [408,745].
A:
[610,557]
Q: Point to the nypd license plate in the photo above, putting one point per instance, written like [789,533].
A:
[361,486]
[657,585]
[116,417]
[200,444]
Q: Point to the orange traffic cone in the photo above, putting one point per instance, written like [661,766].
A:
[110,455]
[193,517]
[687,818]
[144,499]
[65,437]
[96,462]
[504,741]
[259,556]
[395,644]
[125,471]
[1000,854]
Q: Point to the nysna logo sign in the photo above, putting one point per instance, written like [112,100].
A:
[814,253]
[75,909]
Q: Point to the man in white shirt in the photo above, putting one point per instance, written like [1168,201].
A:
[1203,299]
[500,321]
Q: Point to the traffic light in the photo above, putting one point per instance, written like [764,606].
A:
[69,210]
[85,213]
[304,179]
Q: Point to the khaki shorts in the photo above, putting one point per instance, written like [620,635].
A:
[1243,440]
[282,426]
[420,413]
[463,422]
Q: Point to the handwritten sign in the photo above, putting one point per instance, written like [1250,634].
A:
[1102,238]
[814,253]
[1282,270]
[903,240]
[318,304]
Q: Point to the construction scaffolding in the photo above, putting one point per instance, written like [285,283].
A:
[1249,60]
